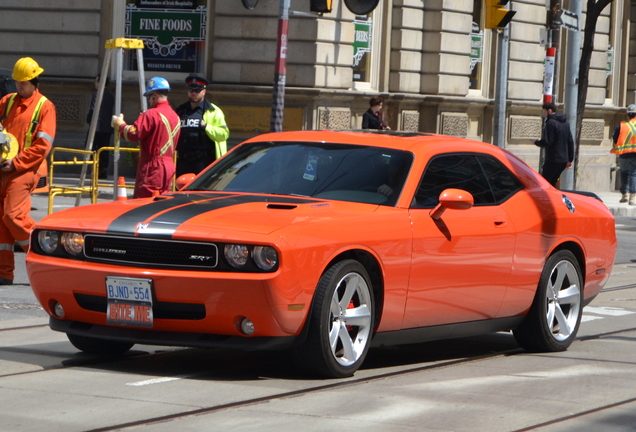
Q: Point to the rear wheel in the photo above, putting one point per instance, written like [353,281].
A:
[102,347]
[341,322]
[555,315]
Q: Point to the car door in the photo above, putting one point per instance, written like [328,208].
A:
[462,261]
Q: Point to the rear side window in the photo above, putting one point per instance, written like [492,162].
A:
[488,181]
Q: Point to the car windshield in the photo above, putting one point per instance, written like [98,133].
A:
[341,172]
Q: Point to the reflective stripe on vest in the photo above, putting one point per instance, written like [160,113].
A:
[35,119]
[171,134]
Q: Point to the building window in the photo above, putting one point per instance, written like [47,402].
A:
[174,34]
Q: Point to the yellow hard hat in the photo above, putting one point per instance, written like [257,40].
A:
[8,146]
[26,69]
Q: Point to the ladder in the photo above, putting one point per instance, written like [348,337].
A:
[118,46]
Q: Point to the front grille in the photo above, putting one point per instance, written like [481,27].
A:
[161,310]
[151,252]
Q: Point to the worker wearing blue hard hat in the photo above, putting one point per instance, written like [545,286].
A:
[157,131]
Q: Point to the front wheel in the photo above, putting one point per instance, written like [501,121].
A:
[555,315]
[340,323]
[101,347]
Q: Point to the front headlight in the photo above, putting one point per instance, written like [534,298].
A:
[48,240]
[236,255]
[73,243]
[265,257]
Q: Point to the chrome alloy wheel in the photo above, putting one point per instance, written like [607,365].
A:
[350,319]
[563,298]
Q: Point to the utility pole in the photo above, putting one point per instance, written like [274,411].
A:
[501,89]
[280,71]
[572,87]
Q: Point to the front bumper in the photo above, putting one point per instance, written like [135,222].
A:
[167,338]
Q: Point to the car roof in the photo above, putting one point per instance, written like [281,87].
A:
[399,140]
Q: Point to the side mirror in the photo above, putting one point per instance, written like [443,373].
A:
[455,199]
[184,180]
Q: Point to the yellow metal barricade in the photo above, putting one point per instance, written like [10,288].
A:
[96,182]
[88,159]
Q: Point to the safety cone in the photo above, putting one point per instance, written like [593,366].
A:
[121,190]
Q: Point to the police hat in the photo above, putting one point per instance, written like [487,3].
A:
[196,81]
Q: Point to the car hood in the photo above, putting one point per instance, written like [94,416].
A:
[201,214]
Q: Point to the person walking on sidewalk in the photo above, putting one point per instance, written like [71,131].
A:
[30,117]
[157,131]
[625,148]
[558,143]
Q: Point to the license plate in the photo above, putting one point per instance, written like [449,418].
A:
[129,301]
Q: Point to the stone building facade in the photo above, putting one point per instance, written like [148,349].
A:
[431,60]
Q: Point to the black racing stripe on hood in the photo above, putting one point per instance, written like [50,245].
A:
[166,223]
[127,221]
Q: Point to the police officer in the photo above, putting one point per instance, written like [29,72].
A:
[204,132]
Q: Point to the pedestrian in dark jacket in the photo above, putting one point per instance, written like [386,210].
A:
[372,119]
[558,143]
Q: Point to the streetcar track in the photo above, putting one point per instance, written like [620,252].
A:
[95,362]
[24,327]
[301,392]
[577,415]
[350,383]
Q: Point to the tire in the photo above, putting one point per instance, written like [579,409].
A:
[555,315]
[101,347]
[340,322]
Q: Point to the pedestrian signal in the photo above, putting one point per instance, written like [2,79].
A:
[320,5]
[497,16]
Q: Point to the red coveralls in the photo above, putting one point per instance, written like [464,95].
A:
[157,131]
[15,187]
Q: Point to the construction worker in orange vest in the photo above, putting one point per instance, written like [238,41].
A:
[29,117]
[625,148]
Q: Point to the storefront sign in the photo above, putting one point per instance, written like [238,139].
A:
[173,38]
[361,48]
[476,45]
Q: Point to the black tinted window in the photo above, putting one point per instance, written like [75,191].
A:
[502,183]
[488,181]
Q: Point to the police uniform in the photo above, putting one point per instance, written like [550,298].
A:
[204,132]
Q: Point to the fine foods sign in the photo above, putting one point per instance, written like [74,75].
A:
[171,36]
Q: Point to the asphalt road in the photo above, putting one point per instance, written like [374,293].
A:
[483,383]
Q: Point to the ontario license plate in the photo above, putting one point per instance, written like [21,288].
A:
[129,301]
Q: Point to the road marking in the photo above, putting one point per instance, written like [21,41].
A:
[152,381]
[607,311]
[586,318]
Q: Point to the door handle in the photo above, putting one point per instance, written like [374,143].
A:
[499,222]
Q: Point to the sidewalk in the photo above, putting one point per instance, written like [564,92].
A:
[611,200]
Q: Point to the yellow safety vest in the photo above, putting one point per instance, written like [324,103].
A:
[626,142]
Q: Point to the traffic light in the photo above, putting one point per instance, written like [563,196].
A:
[497,16]
[361,7]
[320,5]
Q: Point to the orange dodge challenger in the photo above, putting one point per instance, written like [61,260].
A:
[327,243]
